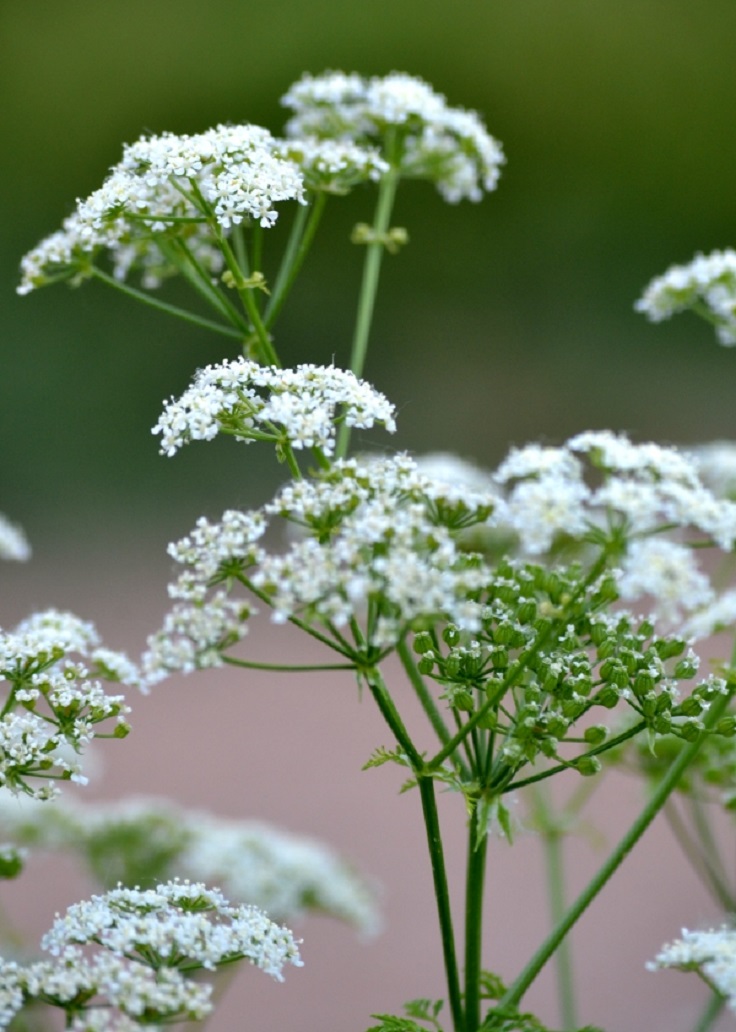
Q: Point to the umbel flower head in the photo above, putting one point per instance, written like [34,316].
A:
[430,140]
[707,285]
[121,961]
[711,953]
[51,666]
[169,192]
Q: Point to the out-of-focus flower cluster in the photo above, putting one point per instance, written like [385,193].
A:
[13,541]
[429,140]
[51,666]
[145,841]
[122,961]
[711,953]
[707,285]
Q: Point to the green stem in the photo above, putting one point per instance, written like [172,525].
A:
[665,787]
[552,834]
[369,287]
[426,700]
[200,280]
[698,860]
[710,1013]
[442,895]
[300,241]
[705,834]
[245,293]
[474,885]
[162,306]
[252,665]
[390,714]
[612,743]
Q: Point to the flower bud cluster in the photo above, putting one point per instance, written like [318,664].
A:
[299,407]
[448,146]
[707,285]
[146,944]
[547,653]
[51,665]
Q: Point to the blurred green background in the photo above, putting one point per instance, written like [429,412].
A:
[501,322]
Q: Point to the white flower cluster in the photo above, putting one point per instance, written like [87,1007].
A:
[380,546]
[711,953]
[716,465]
[13,542]
[300,406]
[54,701]
[231,173]
[145,941]
[141,840]
[707,285]
[448,146]
[645,490]
[333,166]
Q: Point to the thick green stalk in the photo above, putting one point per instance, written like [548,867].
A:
[162,306]
[474,886]
[442,895]
[655,803]
[711,1013]
[369,286]
[390,714]
[434,840]
[554,865]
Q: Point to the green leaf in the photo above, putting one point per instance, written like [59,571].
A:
[383,755]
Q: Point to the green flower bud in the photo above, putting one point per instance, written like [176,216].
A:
[423,642]
[499,659]
[690,730]
[608,697]
[451,635]
[426,664]
[690,707]
[462,700]
[596,734]
[527,611]
[453,665]
[557,726]
[643,684]
[588,766]
[726,726]
[662,723]
[686,669]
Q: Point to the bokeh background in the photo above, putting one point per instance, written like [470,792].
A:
[502,322]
